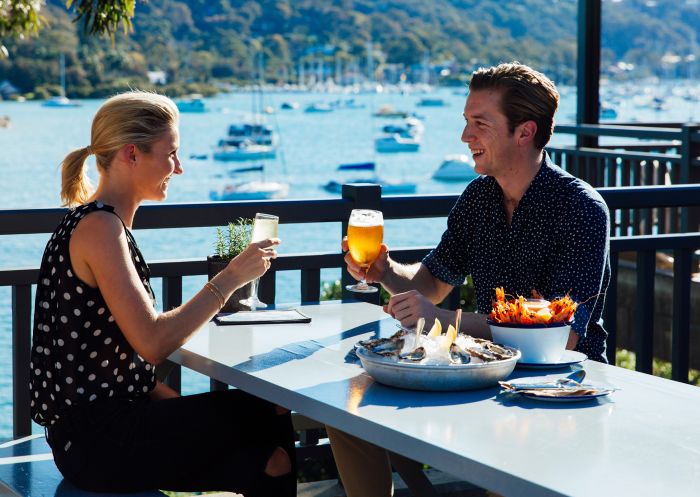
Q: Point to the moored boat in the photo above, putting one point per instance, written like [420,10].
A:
[455,168]
[397,143]
[193,104]
[431,102]
[388,186]
[251,190]
[232,149]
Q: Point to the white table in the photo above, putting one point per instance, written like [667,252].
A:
[644,440]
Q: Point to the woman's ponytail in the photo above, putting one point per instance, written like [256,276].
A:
[135,117]
[76,187]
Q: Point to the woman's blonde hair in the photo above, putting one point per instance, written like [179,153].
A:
[135,117]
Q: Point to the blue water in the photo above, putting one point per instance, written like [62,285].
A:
[312,147]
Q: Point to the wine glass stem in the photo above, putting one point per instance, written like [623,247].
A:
[254,293]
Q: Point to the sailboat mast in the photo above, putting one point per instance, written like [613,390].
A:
[62,70]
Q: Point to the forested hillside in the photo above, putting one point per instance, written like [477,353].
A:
[202,42]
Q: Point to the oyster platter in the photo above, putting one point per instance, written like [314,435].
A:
[436,360]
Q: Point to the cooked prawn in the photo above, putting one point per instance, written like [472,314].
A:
[516,310]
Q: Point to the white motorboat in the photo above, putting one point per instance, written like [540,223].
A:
[397,143]
[455,168]
[319,107]
[411,127]
[255,132]
[247,141]
[192,104]
[251,190]
[230,149]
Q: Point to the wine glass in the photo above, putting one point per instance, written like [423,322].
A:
[365,235]
[264,227]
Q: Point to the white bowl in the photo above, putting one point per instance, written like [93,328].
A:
[538,344]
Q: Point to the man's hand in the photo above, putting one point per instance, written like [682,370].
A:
[376,271]
[407,307]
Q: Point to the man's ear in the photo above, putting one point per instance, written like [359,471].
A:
[526,132]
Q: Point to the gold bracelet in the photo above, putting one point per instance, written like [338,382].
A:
[217,293]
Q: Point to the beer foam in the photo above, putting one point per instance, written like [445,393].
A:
[366,223]
[366,218]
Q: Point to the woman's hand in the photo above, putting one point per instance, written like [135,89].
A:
[407,307]
[254,261]
[377,269]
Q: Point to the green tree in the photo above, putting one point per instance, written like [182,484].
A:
[22,18]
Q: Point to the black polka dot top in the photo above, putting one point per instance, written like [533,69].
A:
[557,242]
[79,354]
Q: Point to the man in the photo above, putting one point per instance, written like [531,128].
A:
[525,225]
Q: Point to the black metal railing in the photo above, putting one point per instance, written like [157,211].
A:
[682,245]
[637,212]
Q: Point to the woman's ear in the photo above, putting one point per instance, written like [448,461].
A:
[526,132]
[128,153]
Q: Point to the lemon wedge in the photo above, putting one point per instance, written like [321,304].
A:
[436,330]
[451,334]
[544,315]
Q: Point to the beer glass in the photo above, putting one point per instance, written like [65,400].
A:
[365,235]
[264,227]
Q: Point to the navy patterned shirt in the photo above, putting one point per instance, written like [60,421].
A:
[558,242]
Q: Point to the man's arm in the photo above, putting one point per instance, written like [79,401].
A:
[400,278]
[396,277]
[580,267]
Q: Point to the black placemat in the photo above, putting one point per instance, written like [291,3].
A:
[261,317]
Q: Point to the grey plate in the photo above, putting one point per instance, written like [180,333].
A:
[428,377]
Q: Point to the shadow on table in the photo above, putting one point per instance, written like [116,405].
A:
[300,350]
[364,391]
[377,394]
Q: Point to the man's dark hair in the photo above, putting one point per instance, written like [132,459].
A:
[526,95]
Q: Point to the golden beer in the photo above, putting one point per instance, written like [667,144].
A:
[365,235]
[364,243]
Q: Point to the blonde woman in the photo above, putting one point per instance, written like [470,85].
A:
[98,338]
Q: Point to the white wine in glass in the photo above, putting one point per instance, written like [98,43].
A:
[264,226]
[365,236]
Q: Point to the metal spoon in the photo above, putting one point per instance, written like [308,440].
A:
[574,379]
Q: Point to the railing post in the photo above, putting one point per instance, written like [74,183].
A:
[172,298]
[690,216]
[680,335]
[644,332]
[266,287]
[21,346]
[363,196]
[310,285]
[588,68]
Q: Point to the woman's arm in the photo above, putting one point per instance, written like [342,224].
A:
[162,391]
[100,257]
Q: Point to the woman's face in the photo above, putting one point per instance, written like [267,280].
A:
[158,166]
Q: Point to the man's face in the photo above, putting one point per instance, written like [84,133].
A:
[492,145]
